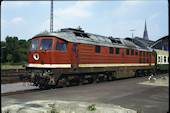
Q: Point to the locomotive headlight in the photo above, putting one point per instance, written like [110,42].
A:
[36,56]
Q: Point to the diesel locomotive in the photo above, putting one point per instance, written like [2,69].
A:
[72,56]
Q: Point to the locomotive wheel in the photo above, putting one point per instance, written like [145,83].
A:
[90,80]
[101,79]
[42,87]
[109,78]
[80,82]
[63,83]
[67,83]
[43,84]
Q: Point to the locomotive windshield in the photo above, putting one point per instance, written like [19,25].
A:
[46,44]
[34,45]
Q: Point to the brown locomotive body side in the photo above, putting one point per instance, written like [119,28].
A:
[83,62]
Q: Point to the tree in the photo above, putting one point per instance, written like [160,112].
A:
[9,58]
[13,48]
[3,51]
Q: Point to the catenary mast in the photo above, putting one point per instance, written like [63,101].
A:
[51,17]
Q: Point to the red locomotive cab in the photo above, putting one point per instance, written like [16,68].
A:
[39,52]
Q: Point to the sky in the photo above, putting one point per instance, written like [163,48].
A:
[25,19]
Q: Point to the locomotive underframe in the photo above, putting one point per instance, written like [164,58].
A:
[60,77]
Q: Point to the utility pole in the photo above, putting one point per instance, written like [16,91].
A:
[132,33]
[51,17]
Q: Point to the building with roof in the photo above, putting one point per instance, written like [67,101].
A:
[161,44]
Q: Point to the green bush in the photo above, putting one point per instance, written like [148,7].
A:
[53,110]
[91,107]
[164,78]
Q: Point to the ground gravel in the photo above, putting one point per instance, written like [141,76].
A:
[158,81]
[43,106]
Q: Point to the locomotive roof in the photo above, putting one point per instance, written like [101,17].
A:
[79,36]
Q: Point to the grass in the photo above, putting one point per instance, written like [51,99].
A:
[91,107]
[12,66]
[151,79]
[164,78]
[53,110]
[7,111]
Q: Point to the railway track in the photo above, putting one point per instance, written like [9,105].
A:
[38,89]
[13,76]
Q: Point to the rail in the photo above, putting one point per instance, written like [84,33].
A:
[13,76]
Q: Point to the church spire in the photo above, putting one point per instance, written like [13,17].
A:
[145,34]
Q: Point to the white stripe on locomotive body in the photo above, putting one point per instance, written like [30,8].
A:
[113,65]
[84,65]
[50,65]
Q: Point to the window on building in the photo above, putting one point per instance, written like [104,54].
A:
[159,58]
[111,50]
[132,52]
[46,44]
[61,46]
[74,47]
[97,49]
[127,52]
[143,54]
[164,59]
[117,50]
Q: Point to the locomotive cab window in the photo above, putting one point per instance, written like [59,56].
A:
[97,49]
[74,47]
[34,45]
[46,44]
[61,46]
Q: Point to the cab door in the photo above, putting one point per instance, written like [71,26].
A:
[74,56]
[45,51]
